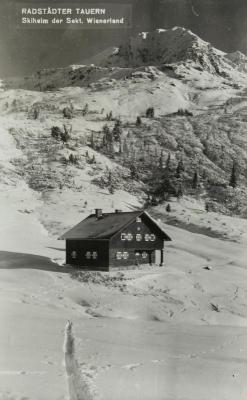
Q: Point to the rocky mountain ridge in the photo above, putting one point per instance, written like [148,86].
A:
[174,48]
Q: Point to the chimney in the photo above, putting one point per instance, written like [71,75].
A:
[98,213]
[117,211]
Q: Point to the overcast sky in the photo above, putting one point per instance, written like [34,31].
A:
[22,51]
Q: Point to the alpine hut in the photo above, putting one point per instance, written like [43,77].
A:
[105,241]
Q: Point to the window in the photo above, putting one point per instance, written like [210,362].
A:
[123,236]
[73,254]
[137,253]
[138,237]
[147,237]
[129,237]
[93,255]
[120,255]
[126,236]
[152,237]
[138,219]
[144,254]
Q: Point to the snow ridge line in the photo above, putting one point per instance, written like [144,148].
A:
[80,386]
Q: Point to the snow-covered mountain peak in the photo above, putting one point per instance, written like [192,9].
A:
[178,46]
[169,46]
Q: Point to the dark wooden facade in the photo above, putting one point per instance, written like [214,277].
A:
[131,241]
[98,249]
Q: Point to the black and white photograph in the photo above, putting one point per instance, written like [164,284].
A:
[123,200]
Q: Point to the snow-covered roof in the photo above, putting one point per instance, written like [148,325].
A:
[107,226]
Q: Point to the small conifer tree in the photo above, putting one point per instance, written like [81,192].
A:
[233,178]
[180,191]
[125,147]
[117,130]
[36,112]
[138,121]
[92,144]
[195,180]
[161,159]
[168,161]
[168,208]
[180,168]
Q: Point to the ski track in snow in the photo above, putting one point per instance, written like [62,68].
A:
[80,384]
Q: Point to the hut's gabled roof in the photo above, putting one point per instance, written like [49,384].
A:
[107,226]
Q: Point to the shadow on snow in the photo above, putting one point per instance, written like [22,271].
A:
[9,260]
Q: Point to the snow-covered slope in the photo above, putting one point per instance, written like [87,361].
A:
[154,334]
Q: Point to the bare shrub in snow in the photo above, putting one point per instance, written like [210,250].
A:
[90,160]
[56,132]
[68,113]
[215,307]
[99,278]
[73,159]
[109,116]
[34,113]
[150,112]
[59,134]
[85,110]
[184,112]
[64,136]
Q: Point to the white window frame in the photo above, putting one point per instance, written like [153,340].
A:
[138,220]
[88,255]
[119,255]
[129,237]
[125,255]
[147,237]
[144,255]
[94,255]
[138,237]
[74,254]
[123,236]
[152,237]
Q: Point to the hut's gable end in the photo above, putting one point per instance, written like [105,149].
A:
[139,234]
